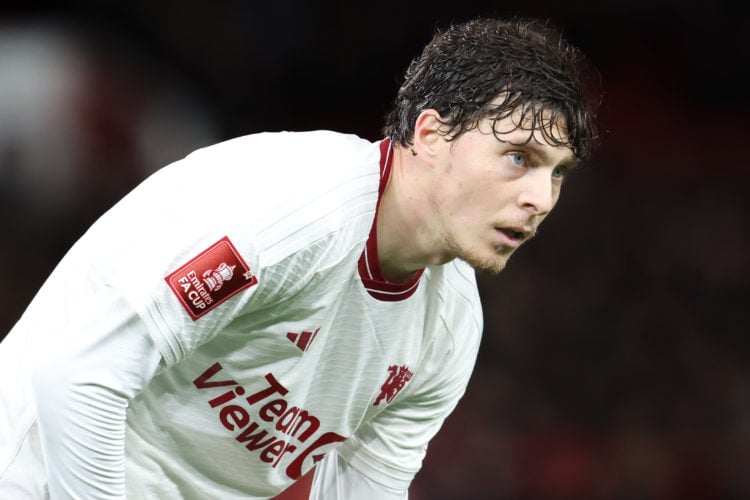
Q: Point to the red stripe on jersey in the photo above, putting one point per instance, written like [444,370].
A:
[369,264]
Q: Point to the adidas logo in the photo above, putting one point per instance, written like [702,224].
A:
[302,340]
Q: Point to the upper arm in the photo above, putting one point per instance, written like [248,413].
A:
[389,449]
[97,360]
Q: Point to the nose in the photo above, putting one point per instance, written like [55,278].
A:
[538,194]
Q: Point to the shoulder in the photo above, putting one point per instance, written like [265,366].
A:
[272,194]
[455,286]
[269,184]
[270,159]
[453,332]
[320,148]
[456,318]
[283,171]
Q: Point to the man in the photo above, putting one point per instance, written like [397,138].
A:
[288,301]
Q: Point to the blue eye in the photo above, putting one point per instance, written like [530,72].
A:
[518,159]
[559,172]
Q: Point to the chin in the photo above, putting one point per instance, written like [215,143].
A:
[487,264]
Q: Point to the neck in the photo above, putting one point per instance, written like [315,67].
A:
[405,234]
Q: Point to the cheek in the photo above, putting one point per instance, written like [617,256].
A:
[475,188]
[555,196]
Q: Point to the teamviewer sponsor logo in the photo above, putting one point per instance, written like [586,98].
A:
[207,280]
[265,422]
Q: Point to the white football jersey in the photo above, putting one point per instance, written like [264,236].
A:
[252,266]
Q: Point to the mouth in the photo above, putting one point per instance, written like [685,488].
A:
[514,236]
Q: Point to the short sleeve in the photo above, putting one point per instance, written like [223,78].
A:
[189,246]
[184,264]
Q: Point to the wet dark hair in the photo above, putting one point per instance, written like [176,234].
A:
[491,68]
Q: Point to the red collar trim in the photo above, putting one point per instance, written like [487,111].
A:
[369,265]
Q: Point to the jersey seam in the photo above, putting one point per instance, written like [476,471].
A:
[17,451]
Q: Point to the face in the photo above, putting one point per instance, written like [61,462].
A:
[495,190]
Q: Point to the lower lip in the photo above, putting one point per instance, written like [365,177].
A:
[507,241]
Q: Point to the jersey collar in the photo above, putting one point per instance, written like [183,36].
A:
[369,264]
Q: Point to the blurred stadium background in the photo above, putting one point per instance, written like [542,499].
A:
[616,361]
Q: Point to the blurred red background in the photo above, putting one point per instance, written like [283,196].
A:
[615,362]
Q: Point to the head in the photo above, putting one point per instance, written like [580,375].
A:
[499,111]
[491,68]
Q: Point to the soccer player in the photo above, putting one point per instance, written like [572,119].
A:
[287,301]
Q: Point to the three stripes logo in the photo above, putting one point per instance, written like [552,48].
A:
[303,339]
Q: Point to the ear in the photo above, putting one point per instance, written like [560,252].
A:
[428,135]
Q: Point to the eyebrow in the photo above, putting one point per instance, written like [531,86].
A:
[570,161]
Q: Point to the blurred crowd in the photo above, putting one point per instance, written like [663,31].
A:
[615,363]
